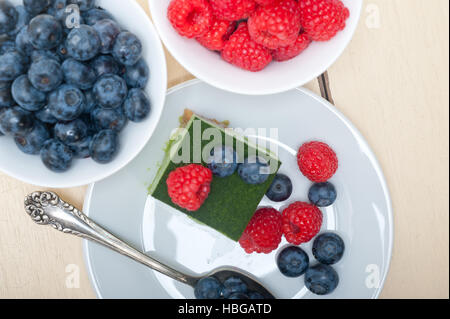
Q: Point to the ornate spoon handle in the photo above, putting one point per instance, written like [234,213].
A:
[47,208]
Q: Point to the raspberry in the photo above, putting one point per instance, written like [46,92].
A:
[293,50]
[263,234]
[233,10]
[189,186]
[245,53]
[301,222]
[317,161]
[264,2]
[275,25]
[218,34]
[323,19]
[190,18]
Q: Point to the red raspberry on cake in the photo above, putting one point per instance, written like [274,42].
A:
[245,53]
[189,186]
[218,34]
[233,10]
[275,25]
[264,232]
[317,161]
[293,50]
[190,18]
[301,222]
[323,19]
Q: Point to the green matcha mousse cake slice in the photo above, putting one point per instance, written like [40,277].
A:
[231,202]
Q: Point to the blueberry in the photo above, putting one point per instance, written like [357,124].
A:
[23,19]
[91,103]
[92,16]
[8,16]
[107,30]
[254,171]
[110,91]
[293,262]
[328,248]
[104,146]
[208,288]
[86,118]
[127,48]
[66,103]
[6,44]
[61,51]
[112,119]
[37,55]
[322,194]
[15,120]
[80,149]
[45,32]
[35,7]
[45,116]
[45,74]
[321,279]
[78,74]
[12,64]
[104,64]
[281,188]
[23,42]
[57,9]
[83,43]
[137,75]
[233,285]
[32,142]
[6,99]
[26,95]
[137,105]
[71,132]
[223,161]
[238,295]
[56,156]
[255,295]
[83,4]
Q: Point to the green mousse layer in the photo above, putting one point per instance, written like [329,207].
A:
[231,202]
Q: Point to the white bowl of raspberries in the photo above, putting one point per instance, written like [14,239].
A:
[82,88]
[256,47]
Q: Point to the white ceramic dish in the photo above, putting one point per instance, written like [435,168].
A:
[134,137]
[277,77]
[362,213]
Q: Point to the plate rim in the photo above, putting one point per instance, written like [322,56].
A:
[355,131]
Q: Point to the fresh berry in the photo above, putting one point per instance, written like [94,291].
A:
[254,171]
[83,43]
[56,156]
[293,262]
[107,30]
[80,149]
[223,161]
[45,116]
[90,103]
[245,53]
[94,15]
[322,194]
[110,91]
[291,51]
[137,105]
[26,95]
[104,146]
[255,295]
[323,19]
[127,48]
[23,42]
[45,32]
[66,103]
[317,161]
[12,64]
[23,18]
[45,74]
[15,120]
[37,55]
[218,34]
[233,10]
[6,99]
[263,233]
[32,142]
[137,75]
[238,296]
[233,285]
[275,25]
[35,7]
[112,119]
[328,248]
[84,5]
[6,44]
[71,132]
[301,222]
[57,9]
[8,16]
[189,186]
[281,188]
[78,74]
[321,279]
[208,288]
[104,64]
[190,18]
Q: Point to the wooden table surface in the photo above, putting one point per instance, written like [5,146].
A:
[392,82]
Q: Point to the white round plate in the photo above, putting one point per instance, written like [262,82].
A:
[277,77]
[362,214]
[30,169]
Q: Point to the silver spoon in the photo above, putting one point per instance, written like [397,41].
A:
[47,208]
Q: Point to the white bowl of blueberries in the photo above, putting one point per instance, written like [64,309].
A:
[82,87]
